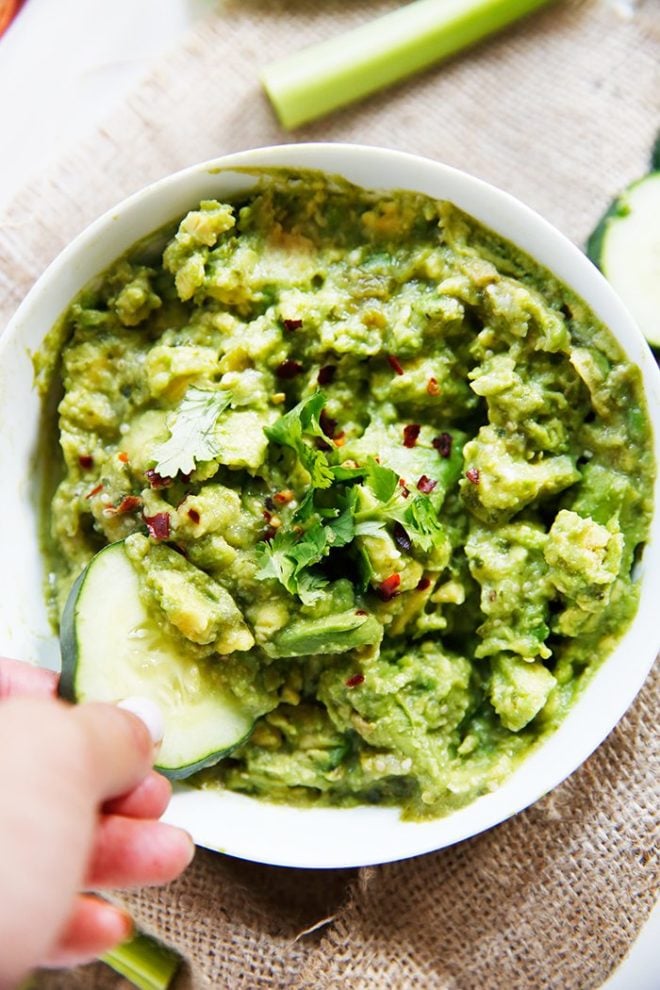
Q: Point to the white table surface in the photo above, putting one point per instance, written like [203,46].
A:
[64,65]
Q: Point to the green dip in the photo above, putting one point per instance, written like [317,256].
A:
[377,466]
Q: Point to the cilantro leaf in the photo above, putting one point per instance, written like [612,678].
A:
[287,557]
[421,521]
[192,432]
[290,430]
[381,480]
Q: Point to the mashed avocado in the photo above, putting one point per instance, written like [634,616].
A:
[373,463]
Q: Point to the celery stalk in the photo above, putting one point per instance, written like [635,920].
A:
[342,69]
[146,963]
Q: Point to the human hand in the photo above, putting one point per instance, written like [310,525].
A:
[79,811]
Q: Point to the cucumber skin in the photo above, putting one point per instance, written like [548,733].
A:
[67,682]
[180,773]
[655,155]
[618,210]
[68,641]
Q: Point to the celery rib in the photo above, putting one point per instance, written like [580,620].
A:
[325,76]
[148,964]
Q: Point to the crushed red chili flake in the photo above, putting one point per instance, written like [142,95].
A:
[288,369]
[157,480]
[283,497]
[123,457]
[159,525]
[86,461]
[426,485]
[327,424]
[423,584]
[326,374]
[194,516]
[432,386]
[395,364]
[410,434]
[355,680]
[388,588]
[129,503]
[472,474]
[401,538]
[95,490]
[361,611]
[443,444]
[292,324]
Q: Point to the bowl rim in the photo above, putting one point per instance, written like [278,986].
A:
[614,694]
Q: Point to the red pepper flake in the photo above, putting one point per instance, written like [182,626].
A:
[395,364]
[401,538]
[288,369]
[157,480]
[410,434]
[159,525]
[404,487]
[432,386]
[123,457]
[339,439]
[292,324]
[326,374]
[129,503]
[86,461]
[426,485]
[388,588]
[283,497]
[443,444]
[194,516]
[327,424]
[423,584]
[472,474]
[360,611]
[95,490]
[355,680]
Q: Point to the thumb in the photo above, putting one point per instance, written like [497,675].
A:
[120,743]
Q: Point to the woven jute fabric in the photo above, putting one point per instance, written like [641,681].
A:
[560,110]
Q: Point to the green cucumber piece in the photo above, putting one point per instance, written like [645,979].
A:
[655,155]
[626,247]
[113,648]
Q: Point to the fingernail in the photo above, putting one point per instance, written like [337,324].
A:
[193,848]
[149,712]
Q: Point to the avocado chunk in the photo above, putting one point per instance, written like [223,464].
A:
[333,633]
[519,690]
[197,606]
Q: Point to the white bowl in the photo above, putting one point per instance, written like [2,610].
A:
[232,823]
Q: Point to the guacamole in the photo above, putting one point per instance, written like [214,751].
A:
[375,466]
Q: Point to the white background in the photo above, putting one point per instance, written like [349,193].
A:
[64,65]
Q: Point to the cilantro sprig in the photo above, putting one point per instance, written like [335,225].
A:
[192,432]
[291,430]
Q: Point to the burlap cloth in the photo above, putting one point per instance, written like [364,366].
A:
[561,110]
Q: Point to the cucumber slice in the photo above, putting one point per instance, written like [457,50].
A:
[626,247]
[112,648]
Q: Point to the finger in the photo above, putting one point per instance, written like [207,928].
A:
[148,800]
[118,749]
[93,927]
[23,679]
[129,853]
